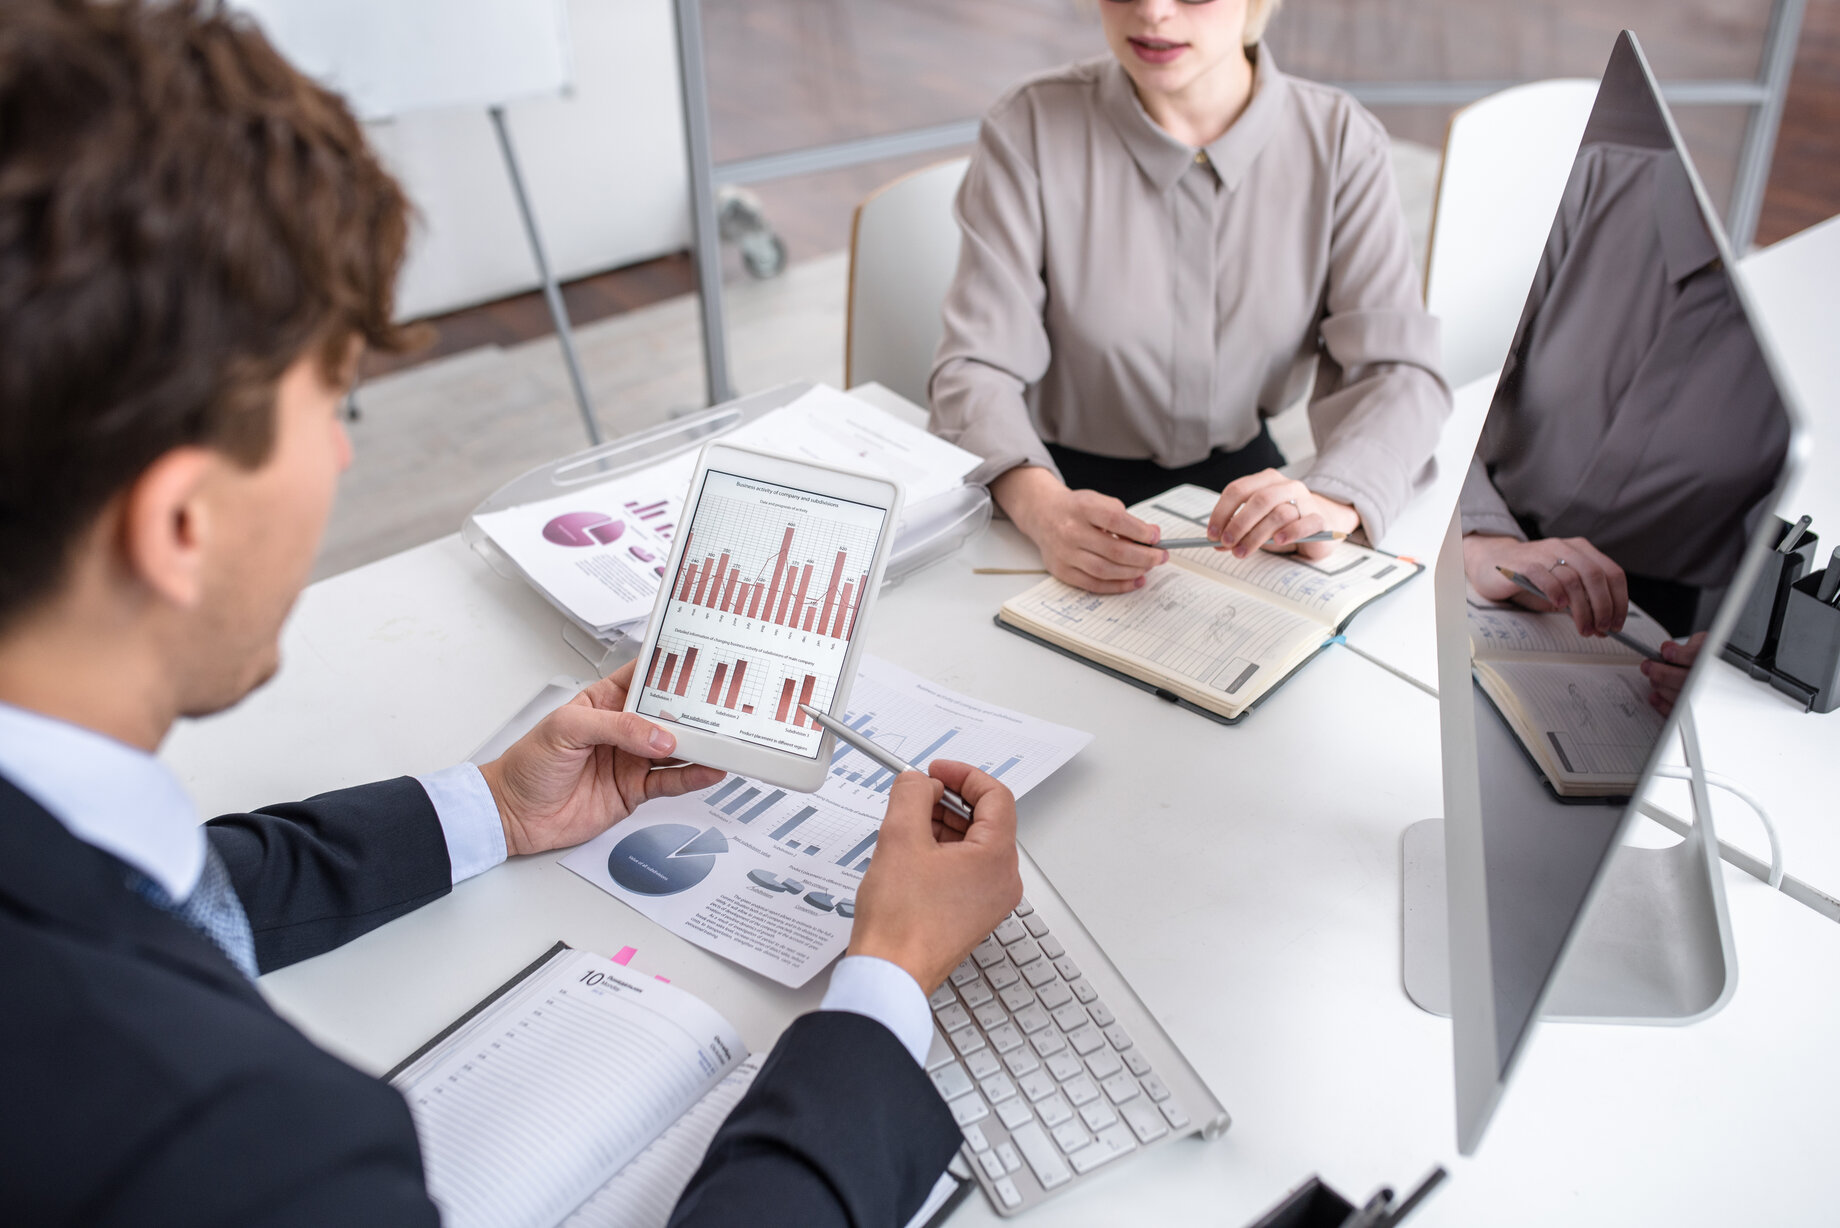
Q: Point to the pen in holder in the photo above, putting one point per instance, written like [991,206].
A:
[1808,649]
[1753,640]
[1315,1205]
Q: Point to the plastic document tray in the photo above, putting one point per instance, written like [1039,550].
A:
[929,531]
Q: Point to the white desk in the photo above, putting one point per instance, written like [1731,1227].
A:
[1255,908]
[1749,732]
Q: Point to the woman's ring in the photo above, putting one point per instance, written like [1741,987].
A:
[1560,563]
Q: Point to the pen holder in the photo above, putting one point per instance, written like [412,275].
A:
[1753,639]
[1310,1205]
[1808,648]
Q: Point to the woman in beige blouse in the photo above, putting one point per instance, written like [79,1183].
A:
[1159,248]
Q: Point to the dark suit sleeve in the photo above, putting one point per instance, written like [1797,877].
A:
[313,875]
[841,1127]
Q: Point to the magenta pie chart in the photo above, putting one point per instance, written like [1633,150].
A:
[583,529]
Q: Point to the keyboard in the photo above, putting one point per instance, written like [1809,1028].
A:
[1044,1078]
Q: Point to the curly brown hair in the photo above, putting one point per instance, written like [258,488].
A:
[182,216]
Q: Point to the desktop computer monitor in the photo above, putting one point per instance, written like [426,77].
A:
[1637,419]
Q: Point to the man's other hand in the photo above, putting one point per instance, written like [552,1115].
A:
[586,766]
[934,892]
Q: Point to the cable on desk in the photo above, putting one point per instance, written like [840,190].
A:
[1393,670]
[1714,780]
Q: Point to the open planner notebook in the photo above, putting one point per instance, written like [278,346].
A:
[1579,705]
[581,1093]
[1210,631]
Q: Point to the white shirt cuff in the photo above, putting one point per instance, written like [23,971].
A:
[469,819]
[886,993]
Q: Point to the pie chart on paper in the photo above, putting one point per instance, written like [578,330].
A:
[583,529]
[665,859]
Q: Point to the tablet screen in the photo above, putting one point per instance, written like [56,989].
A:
[761,612]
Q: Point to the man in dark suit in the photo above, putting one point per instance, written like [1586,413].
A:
[195,246]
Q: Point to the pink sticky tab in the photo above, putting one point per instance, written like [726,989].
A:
[665,979]
[625,956]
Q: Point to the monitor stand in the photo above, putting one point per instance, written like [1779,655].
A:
[1654,945]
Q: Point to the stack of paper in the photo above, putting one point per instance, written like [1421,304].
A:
[599,551]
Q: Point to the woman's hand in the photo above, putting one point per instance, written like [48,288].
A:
[1580,577]
[1666,679]
[1267,509]
[1086,539]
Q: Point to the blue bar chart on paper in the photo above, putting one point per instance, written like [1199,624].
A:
[755,872]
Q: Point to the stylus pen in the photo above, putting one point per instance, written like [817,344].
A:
[1628,641]
[951,801]
[1196,543]
[1793,537]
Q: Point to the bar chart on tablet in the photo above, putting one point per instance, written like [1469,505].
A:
[764,602]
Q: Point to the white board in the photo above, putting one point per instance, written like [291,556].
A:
[393,57]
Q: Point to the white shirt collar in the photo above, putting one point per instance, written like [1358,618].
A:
[107,794]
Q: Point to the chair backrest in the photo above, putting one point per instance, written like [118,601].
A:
[1507,158]
[903,252]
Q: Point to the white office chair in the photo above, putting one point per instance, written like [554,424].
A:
[1506,161]
[903,252]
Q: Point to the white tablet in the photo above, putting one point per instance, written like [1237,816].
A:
[764,600]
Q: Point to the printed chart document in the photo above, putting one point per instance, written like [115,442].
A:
[599,550]
[582,1094]
[1578,704]
[1215,632]
[768,878]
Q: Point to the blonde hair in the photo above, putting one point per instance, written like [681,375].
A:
[1258,15]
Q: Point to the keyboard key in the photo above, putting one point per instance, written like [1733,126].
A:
[1153,1088]
[952,1081]
[1005,1038]
[952,1017]
[942,998]
[974,1137]
[988,952]
[1038,973]
[1145,1122]
[1022,1061]
[1051,946]
[1088,1158]
[1080,1090]
[1009,1157]
[1010,931]
[1032,1018]
[1084,992]
[1017,995]
[1117,1138]
[1038,1086]
[1120,1038]
[1071,1136]
[1054,996]
[1007,1191]
[964,973]
[1098,1115]
[1002,976]
[1055,1109]
[1173,1114]
[992,1164]
[991,1015]
[997,1088]
[1120,1087]
[1085,1039]
[1044,1160]
[967,1109]
[1069,1017]
[1036,926]
[1023,907]
[976,993]
[967,1040]
[1103,1064]
[1025,952]
[1064,1066]
[983,1064]
[1047,1043]
[1069,970]
[1014,1113]
[1138,1064]
[1099,1013]
[940,1053]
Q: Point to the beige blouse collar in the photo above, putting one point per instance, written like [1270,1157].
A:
[1162,158]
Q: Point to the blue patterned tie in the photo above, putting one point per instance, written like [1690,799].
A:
[212,909]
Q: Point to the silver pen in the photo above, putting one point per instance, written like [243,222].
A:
[894,763]
[1208,543]
[1628,641]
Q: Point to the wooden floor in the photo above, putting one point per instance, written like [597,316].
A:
[792,73]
